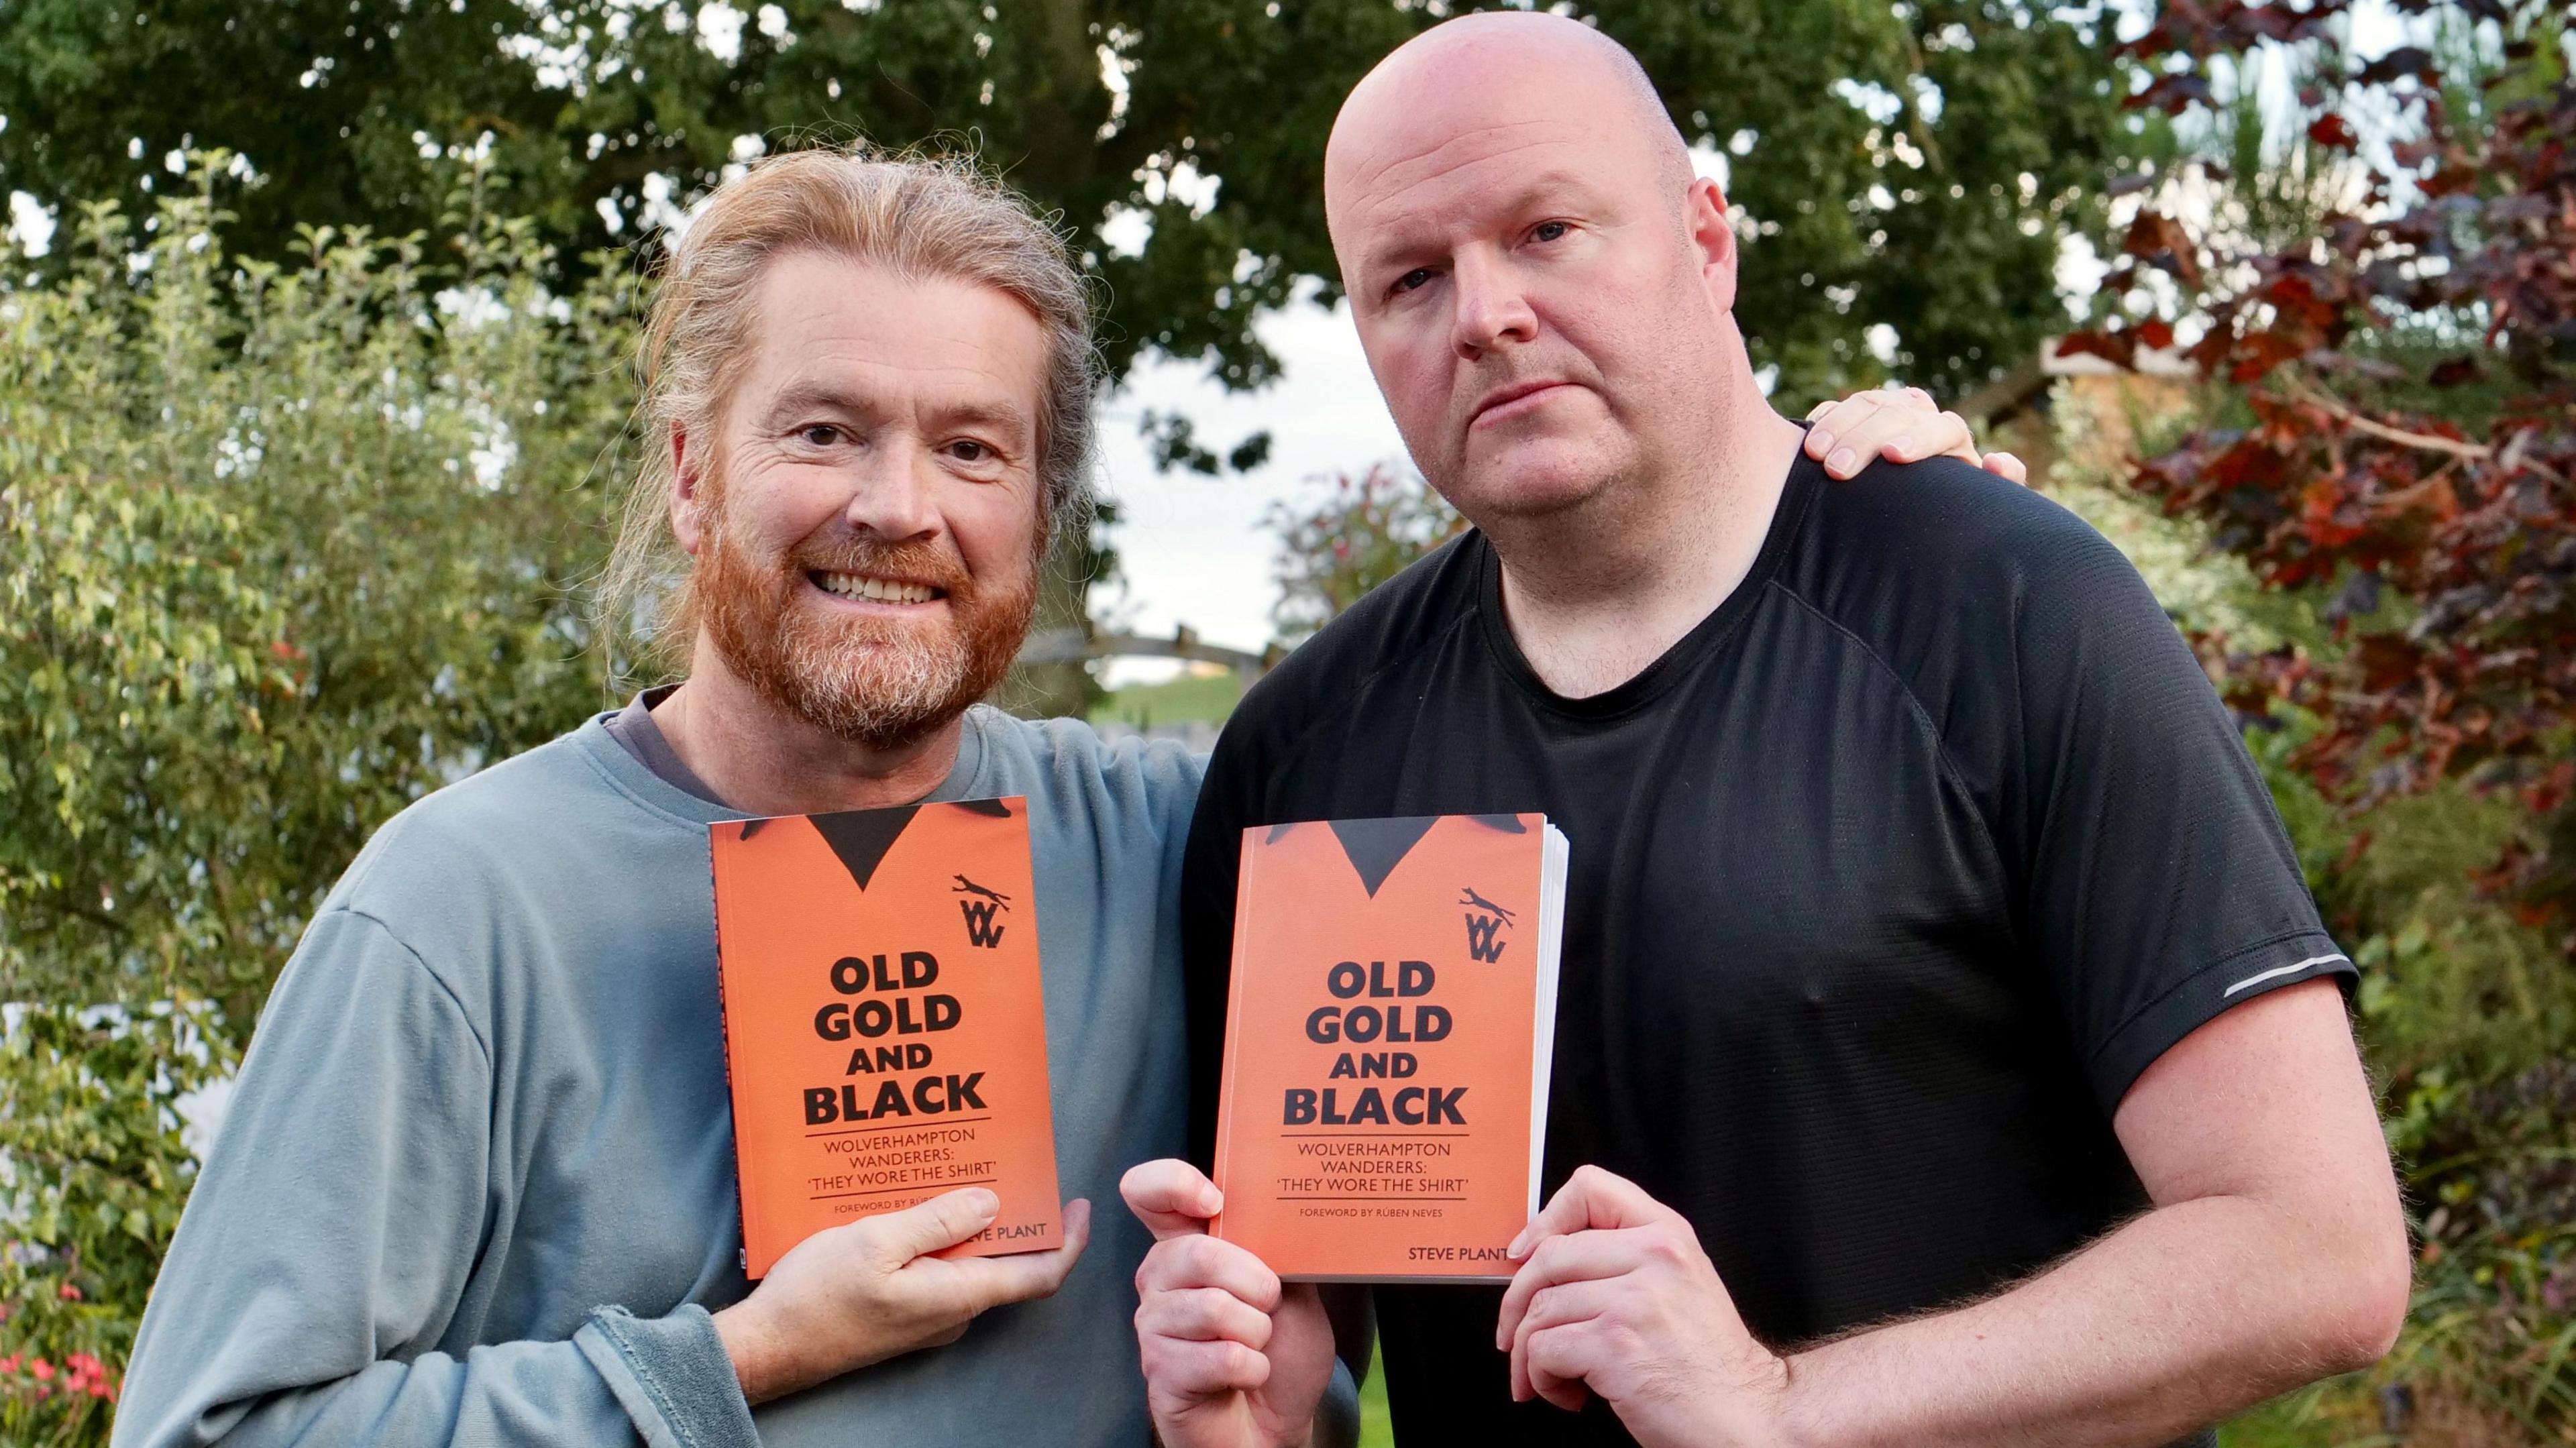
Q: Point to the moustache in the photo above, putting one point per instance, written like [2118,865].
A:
[908,562]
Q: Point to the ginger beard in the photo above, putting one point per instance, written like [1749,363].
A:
[877,681]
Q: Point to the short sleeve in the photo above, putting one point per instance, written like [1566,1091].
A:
[2158,884]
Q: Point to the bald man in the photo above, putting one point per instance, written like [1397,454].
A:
[1948,1049]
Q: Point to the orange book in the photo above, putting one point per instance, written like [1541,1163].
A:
[1387,1043]
[884,1030]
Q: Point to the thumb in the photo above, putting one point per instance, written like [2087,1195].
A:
[943,1221]
[1171,1197]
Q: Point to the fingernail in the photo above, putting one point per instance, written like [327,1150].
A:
[1817,441]
[1903,447]
[1842,461]
[982,1200]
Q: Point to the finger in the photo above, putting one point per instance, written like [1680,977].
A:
[1022,1276]
[2005,465]
[1560,1359]
[1184,1369]
[1203,1314]
[1184,1263]
[1919,399]
[944,1221]
[1946,435]
[1859,431]
[1830,420]
[1558,1306]
[1591,1198]
[1573,1257]
[1171,1197]
[1899,434]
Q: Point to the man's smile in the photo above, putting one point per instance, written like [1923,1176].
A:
[871,588]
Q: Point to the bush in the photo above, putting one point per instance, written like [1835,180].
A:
[282,548]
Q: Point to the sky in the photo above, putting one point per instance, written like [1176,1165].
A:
[1192,549]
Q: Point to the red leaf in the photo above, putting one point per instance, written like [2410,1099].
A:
[2118,347]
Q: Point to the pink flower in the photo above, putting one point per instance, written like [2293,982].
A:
[43,1370]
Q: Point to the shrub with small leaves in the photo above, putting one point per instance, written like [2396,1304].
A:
[282,548]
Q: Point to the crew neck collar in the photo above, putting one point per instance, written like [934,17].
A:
[966,777]
[1805,477]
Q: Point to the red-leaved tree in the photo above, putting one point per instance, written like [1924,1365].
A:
[2408,374]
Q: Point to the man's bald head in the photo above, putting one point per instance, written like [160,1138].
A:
[1541,285]
[1526,62]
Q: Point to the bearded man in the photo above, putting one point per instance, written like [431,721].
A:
[476,1183]
[1947,1049]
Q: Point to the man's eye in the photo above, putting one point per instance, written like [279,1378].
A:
[968,450]
[1418,277]
[1548,231]
[818,434]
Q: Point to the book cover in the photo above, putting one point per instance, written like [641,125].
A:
[885,1033]
[1388,1038]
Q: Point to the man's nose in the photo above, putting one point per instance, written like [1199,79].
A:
[1491,310]
[894,498]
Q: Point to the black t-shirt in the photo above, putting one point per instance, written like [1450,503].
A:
[1887,880]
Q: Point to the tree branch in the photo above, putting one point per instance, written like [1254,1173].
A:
[2429,442]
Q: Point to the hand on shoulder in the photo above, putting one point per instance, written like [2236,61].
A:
[1901,426]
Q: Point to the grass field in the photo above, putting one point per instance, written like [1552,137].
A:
[1190,696]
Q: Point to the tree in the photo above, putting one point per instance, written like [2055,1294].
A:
[1332,551]
[2409,381]
[1910,169]
[1913,166]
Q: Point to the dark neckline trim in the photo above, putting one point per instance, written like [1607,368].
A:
[1806,476]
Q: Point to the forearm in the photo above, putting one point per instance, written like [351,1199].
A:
[2182,1317]
[619,1381]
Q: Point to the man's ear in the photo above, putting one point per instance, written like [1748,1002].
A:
[688,522]
[1713,237]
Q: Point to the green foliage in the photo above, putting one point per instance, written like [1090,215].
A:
[285,547]
[1910,165]
[1334,550]
[97,1171]
[282,547]
[2493,1174]
[2466,1012]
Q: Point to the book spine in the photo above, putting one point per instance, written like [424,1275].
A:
[724,1030]
[1229,1073]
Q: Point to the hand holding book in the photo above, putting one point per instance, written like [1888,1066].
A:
[1616,1298]
[1233,1357]
[877,1288]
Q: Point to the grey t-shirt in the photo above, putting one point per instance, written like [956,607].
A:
[636,732]
[476,1183]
